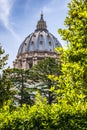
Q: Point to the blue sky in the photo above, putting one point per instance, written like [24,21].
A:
[18,18]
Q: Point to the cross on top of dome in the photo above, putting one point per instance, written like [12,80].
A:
[41,24]
[41,16]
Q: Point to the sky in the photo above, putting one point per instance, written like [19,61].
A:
[18,19]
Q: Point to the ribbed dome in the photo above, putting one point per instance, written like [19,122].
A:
[40,40]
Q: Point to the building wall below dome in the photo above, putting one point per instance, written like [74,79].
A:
[27,60]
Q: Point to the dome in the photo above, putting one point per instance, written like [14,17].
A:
[40,40]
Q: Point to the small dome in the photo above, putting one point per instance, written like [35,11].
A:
[40,40]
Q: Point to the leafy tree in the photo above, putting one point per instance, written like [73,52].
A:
[40,73]
[3,58]
[6,91]
[74,58]
[43,116]
[20,80]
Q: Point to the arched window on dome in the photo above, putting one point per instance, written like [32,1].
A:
[50,43]
[41,42]
[32,42]
[41,45]
[41,35]
[50,46]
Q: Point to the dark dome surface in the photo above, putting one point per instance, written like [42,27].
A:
[40,40]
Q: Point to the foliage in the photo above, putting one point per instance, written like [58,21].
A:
[39,74]
[74,58]
[43,116]
[20,80]
[6,91]
[6,88]
[3,58]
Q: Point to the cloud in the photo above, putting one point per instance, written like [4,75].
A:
[5,13]
[54,6]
